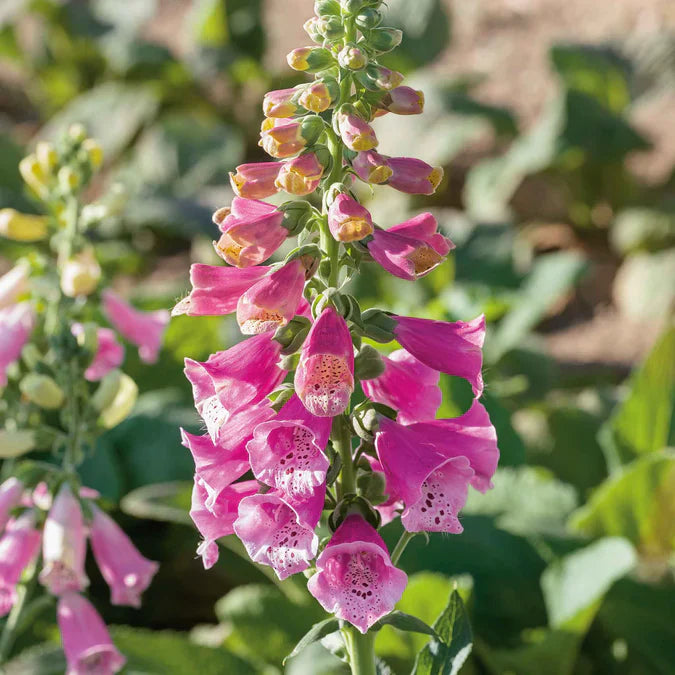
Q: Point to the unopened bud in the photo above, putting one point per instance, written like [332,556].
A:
[16,443]
[376,78]
[296,216]
[94,151]
[330,27]
[69,179]
[309,255]
[352,6]
[107,390]
[353,504]
[80,275]
[368,363]
[327,7]
[384,39]
[378,325]
[77,132]
[368,19]
[372,486]
[46,156]
[42,390]
[319,95]
[352,58]
[310,59]
[122,404]
[31,356]
[312,29]
[34,174]
[22,226]
[293,334]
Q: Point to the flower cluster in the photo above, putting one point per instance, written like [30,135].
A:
[61,350]
[278,465]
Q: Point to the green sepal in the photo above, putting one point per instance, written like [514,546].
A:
[350,504]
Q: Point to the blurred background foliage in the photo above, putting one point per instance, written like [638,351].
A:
[560,197]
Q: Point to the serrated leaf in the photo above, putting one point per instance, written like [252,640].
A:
[404,622]
[446,654]
[316,632]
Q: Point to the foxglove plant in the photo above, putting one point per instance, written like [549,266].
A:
[278,407]
[63,387]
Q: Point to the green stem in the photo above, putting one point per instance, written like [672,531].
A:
[403,541]
[342,442]
[361,650]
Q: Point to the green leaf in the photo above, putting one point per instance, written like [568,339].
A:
[316,632]
[552,276]
[574,586]
[446,654]
[404,622]
[638,503]
[643,422]
[525,500]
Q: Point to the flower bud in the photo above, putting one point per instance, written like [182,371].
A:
[256,180]
[310,59]
[355,132]
[384,39]
[348,220]
[352,6]
[16,443]
[372,167]
[403,101]
[42,390]
[327,7]
[352,58]
[94,151]
[281,138]
[34,174]
[69,180]
[301,175]
[292,335]
[368,18]
[319,95]
[378,325]
[106,390]
[413,176]
[312,29]
[77,132]
[46,156]
[330,27]
[368,363]
[121,405]
[279,103]
[22,226]
[376,78]
[80,274]
[296,216]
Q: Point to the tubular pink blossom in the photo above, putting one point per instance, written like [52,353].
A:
[219,465]
[16,325]
[273,301]
[64,545]
[348,220]
[109,353]
[324,379]
[252,232]
[356,580]
[425,228]
[281,138]
[279,103]
[406,385]
[255,180]
[217,521]
[356,133]
[13,284]
[301,175]
[287,453]
[233,379]
[371,167]
[450,347]
[432,486]
[279,532]
[144,329]
[403,101]
[86,641]
[19,546]
[414,176]
[124,569]
[216,290]
[11,492]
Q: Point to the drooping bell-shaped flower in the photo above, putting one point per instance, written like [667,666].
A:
[85,638]
[10,496]
[316,97]
[403,101]
[255,180]
[406,385]
[13,284]
[356,580]
[372,167]
[301,175]
[355,132]
[348,220]
[64,545]
[109,352]
[144,329]
[281,138]
[19,546]
[454,348]
[16,324]
[273,301]
[124,569]
[251,232]
[279,532]
[411,249]
[219,465]
[216,290]
[279,103]
[324,379]
[217,521]
[287,453]
[414,176]
[233,379]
